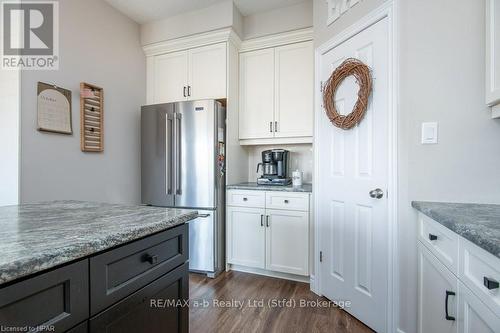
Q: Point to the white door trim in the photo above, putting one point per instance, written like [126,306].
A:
[387,10]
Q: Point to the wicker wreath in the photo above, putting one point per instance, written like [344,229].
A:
[363,77]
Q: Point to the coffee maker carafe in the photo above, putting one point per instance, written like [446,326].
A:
[274,167]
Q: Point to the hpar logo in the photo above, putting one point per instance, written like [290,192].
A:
[30,33]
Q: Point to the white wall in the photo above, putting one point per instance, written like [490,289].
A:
[9,137]
[301,157]
[288,18]
[218,16]
[441,79]
[101,46]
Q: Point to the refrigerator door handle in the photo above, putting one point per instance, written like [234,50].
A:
[178,150]
[168,152]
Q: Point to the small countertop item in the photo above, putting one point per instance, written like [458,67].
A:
[478,223]
[307,188]
[36,237]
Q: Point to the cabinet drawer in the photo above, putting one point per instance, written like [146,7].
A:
[147,309]
[442,242]
[256,199]
[477,267]
[58,298]
[289,201]
[117,273]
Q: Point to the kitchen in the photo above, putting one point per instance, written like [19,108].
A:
[199,160]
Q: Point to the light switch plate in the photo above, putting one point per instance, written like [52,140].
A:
[429,133]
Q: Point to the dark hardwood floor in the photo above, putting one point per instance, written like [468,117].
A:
[212,317]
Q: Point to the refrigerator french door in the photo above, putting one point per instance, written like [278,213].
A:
[183,167]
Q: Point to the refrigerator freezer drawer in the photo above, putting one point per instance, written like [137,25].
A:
[202,242]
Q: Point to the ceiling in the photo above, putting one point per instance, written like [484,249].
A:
[151,10]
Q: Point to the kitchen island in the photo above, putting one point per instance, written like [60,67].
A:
[92,267]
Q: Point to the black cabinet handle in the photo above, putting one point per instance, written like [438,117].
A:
[433,237]
[184,91]
[490,283]
[245,199]
[267,221]
[152,259]
[262,220]
[448,293]
[286,201]
[189,90]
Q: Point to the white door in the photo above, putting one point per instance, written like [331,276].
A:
[257,94]
[287,241]
[170,77]
[351,163]
[294,87]
[434,282]
[474,316]
[207,72]
[246,235]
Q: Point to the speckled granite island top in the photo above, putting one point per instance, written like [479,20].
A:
[306,188]
[479,223]
[35,237]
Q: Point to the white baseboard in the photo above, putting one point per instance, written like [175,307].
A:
[264,272]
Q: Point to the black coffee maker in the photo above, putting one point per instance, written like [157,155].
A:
[274,168]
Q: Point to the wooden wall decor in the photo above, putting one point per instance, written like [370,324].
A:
[363,77]
[91,118]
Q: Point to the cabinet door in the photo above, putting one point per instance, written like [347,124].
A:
[147,309]
[474,316]
[246,236]
[287,241]
[207,72]
[434,281]
[257,94]
[170,77]
[294,68]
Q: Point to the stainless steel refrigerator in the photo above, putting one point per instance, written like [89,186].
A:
[183,155]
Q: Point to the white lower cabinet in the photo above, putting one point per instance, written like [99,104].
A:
[276,240]
[246,232]
[451,300]
[437,291]
[287,244]
[473,315]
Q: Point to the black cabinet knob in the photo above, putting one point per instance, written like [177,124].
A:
[245,199]
[286,201]
[152,259]
[490,283]
[433,237]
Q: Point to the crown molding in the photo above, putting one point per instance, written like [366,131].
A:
[295,36]
[197,40]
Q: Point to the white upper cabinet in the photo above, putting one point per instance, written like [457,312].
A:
[198,73]
[207,72]
[170,77]
[294,90]
[493,56]
[257,94]
[276,94]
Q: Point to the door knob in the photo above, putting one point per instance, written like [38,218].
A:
[376,193]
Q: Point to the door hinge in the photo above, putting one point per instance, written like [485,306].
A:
[320,256]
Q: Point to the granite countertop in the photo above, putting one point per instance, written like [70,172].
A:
[255,187]
[35,237]
[479,223]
